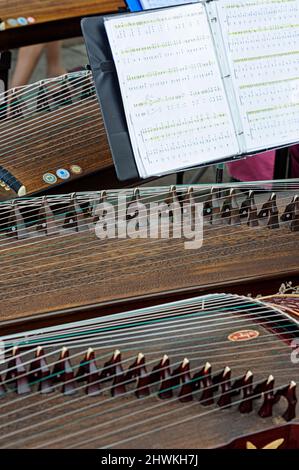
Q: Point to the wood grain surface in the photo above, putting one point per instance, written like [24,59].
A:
[64,130]
[78,420]
[72,269]
[54,19]
[51,10]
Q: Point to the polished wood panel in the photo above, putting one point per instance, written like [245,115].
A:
[54,19]
[51,142]
[51,125]
[71,270]
[125,421]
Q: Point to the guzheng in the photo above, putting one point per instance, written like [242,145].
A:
[51,132]
[213,371]
[55,262]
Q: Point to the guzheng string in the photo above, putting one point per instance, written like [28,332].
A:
[72,413]
[74,87]
[25,100]
[78,343]
[118,274]
[61,216]
[160,405]
[148,259]
[173,314]
[118,408]
[215,228]
[94,198]
[13,113]
[169,315]
[36,239]
[64,107]
[158,428]
[99,326]
[163,314]
[90,198]
[217,352]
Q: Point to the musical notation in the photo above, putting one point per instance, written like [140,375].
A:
[174,98]
[262,44]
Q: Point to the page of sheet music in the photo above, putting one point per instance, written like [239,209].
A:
[262,43]
[151,4]
[171,86]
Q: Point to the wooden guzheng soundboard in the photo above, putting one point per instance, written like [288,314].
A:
[211,371]
[81,369]
[35,21]
[52,260]
[55,133]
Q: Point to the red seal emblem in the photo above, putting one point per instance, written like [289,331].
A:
[243,335]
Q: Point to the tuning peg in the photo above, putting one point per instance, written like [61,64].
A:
[63,372]
[172,197]
[288,392]
[189,208]
[132,208]
[295,220]
[17,375]
[88,372]
[118,386]
[40,372]
[225,385]
[291,214]
[260,388]
[185,393]
[246,404]
[212,208]
[197,379]
[46,220]
[249,210]
[133,370]
[108,371]
[161,373]
[265,410]
[96,212]
[74,217]
[206,382]
[182,375]
[268,214]
[230,212]
[142,388]
[2,387]
[16,223]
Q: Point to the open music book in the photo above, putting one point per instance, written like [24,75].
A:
[207,81]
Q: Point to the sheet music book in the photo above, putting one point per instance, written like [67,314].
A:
[207,81]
